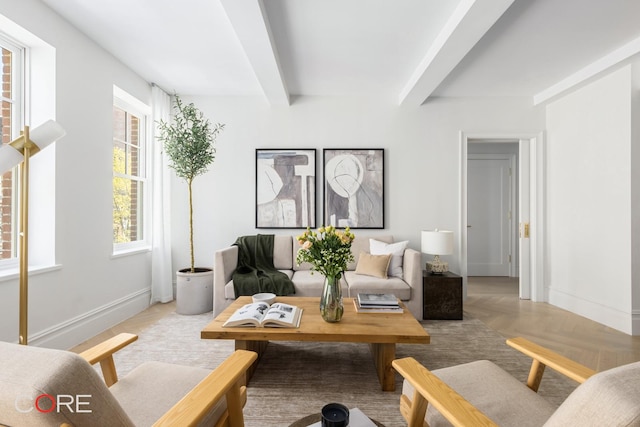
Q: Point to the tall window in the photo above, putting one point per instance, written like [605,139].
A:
[129,175]
[11,116]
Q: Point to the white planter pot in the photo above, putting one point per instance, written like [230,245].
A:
[194,291]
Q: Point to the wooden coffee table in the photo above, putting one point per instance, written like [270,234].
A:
[381,331]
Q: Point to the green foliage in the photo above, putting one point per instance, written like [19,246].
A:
[189,145]
[121,200]
[189,140]
[328,250]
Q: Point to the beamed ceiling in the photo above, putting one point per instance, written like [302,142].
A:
[402,50]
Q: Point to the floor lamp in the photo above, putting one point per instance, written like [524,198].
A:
[19,152]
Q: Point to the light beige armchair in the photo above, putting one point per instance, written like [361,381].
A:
[45,387]
[482,394]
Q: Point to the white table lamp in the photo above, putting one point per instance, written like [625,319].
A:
[437,242]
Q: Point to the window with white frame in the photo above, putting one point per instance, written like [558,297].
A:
[129,172]
[11,115]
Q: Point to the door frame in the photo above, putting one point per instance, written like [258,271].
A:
[535,143]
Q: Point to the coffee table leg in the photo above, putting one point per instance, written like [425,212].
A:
[383,355]
[259,347]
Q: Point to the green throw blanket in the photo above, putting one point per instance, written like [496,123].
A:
[255,272]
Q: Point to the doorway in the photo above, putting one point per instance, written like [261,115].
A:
[526,226]
[492,209]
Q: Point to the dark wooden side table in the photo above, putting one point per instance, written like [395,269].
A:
[442,296]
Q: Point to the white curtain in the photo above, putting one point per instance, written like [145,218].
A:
[161,268]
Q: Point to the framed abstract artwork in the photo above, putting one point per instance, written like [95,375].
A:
[285,188]
[354,188]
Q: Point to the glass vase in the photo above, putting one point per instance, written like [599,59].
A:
[331,307]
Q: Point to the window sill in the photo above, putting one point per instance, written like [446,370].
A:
[14,273]
[130,251]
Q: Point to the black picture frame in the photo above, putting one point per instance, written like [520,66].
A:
[353,187]
[285,188]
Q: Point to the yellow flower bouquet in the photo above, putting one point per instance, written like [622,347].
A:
[328,250]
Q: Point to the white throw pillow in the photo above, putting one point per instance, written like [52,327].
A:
[396,250]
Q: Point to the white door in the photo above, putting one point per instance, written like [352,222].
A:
[488,217]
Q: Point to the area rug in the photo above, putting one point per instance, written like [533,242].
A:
[295,379]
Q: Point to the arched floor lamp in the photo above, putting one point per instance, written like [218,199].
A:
[18,152]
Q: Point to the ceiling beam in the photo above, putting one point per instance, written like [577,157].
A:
[250,23]
[465,27]
[595,69]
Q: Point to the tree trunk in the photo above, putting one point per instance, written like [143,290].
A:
[193,268]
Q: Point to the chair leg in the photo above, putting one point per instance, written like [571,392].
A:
[236,397]
[414,411]
[535,375]
[108,367]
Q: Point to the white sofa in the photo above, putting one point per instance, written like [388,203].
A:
[407,288]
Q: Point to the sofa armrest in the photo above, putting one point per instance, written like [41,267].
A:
[225,262]
[103,353]
[412,274]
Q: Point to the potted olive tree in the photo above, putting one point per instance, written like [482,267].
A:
[189,144]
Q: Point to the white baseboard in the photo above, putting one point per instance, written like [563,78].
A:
[624,322]
[78,329]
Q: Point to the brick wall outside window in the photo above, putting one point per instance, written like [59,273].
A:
[128,182]
[135,195]
[6,180]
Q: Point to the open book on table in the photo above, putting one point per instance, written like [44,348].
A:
[261,314]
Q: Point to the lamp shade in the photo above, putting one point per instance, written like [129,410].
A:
[9,158]
[437,242]
[47,133]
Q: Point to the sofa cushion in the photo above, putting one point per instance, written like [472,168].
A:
[377,247]
[610,397]
[359,283]
[230,293]
[310,284]
[361,244]
[373,265]
[282,252]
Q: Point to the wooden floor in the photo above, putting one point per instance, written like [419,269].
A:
[134,325]
[494,301]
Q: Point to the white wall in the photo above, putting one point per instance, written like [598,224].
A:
[422,160]
[635,197]
[90,290]
[589,194]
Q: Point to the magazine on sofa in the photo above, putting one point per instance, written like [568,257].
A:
[261,314]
